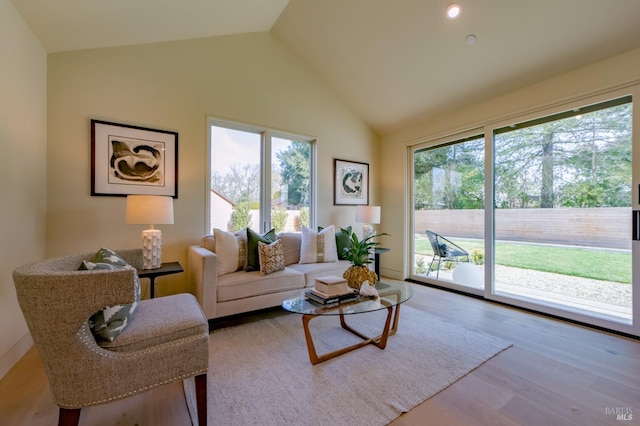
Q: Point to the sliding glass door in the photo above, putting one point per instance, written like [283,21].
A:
[448,213]
[535,212]
[563,202]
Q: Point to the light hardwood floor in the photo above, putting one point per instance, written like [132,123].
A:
[556,373]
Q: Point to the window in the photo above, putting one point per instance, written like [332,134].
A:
[259,178]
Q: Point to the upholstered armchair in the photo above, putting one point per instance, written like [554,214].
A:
[165,340]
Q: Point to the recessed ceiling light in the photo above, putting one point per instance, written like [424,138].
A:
[453,11]
[471,39]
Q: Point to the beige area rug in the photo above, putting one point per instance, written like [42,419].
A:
[260,374]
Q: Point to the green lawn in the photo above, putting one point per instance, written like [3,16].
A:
[596,264]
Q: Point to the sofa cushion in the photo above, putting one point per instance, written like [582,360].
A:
[312,271]
[231,250]
[109,322]
[253,261]
[271,257]
[318,247]
[291,246]
[208,242]
[240,285]
[152,326]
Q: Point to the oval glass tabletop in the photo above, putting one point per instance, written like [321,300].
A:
[390,294]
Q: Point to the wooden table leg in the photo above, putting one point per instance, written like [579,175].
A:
[379,341]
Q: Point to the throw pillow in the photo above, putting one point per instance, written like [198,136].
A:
[342,240]
[271,257]
[231,250]
[108,323]
[243,243]
[253,238]
[291,246]
[108,259]
[318,247]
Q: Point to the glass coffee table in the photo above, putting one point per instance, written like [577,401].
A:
[391,296]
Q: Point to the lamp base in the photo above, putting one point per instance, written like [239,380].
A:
[151,249]
[368,231]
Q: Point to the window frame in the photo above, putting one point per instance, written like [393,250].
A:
[564,106]
[266,136]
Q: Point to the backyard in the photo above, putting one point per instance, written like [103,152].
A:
[594,279]
[560,192]
[592,263]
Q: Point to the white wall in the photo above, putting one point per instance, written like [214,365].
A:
[601,76]
[23,127]
[250,78]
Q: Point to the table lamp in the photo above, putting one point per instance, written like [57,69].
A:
[368,215]
[152,210]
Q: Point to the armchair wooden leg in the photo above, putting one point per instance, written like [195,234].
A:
[69,416]
[201,398]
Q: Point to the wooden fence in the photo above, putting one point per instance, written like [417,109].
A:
[607,227]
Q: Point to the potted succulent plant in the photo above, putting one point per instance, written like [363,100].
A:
[358,252]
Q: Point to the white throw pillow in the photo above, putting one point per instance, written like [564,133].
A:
[231,250]
[318,247]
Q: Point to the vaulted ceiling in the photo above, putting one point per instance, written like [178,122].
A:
[394,62]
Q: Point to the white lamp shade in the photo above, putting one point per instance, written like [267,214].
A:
[368,214]
[149,209]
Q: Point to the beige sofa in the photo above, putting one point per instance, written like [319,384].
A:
[224,294]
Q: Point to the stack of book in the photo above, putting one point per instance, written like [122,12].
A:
[330,291]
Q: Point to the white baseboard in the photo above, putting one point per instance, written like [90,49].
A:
[390,273]
[13,355]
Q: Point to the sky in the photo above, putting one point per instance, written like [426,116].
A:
[243,147]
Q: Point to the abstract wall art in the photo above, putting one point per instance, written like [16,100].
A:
[351,183]
[128,159]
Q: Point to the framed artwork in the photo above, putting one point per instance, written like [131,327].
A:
[133,160]
[351,183]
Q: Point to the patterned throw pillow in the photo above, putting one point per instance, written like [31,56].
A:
[318,247]
[253,238]
[271,257]
[108,323]
[243,247]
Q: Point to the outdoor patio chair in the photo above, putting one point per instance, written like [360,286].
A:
[445,250]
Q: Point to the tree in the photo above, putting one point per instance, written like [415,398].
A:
[241,183]
[240,216]
[450,177]
[294,169]
[574,161]
[302,219]
[279,218]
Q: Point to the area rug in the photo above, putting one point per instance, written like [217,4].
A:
[260,374]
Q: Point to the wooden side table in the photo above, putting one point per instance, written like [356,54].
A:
[166,269]
[377,252]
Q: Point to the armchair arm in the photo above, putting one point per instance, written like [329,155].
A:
[202,278]
[62,301]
